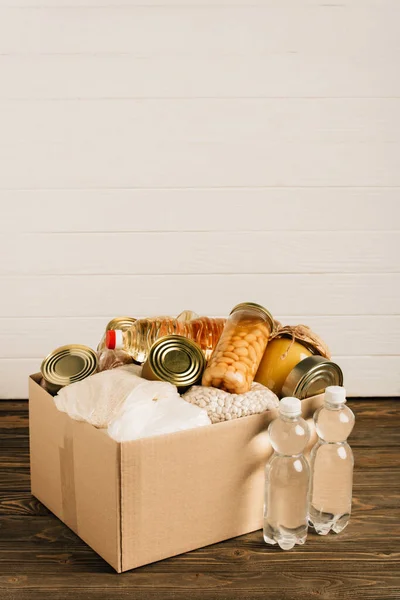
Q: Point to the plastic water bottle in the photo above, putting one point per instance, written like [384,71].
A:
[332,464]
[287,478]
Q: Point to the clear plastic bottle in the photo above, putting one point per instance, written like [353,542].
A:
[287,478]
[332,464]
[138,339]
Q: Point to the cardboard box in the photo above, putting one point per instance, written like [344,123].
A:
[139,502]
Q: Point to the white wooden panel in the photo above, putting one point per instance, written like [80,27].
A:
[291,130]
[126,76]
[292,4]
[355,335]
[14,377]
[204,143]
[318,294]
[363,376]
[345,336]
[209,29]
[222,122]
[190,253]
[267,209]
[36,337]
[371,376]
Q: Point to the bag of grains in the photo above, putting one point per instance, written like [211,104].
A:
[223,406]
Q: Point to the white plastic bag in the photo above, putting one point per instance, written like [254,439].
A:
[97,399]
[153,408]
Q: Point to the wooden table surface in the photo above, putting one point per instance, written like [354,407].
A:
[39,555]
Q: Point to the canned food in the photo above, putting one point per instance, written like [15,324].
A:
[175,359]
[311,376]
[280,357]
[68,364]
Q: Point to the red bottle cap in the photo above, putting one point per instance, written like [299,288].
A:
[111,339]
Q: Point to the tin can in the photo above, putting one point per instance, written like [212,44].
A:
[175,359]
[311,376]
[68,364]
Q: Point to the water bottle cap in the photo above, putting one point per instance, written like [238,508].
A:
[335,394]
[290,406]
[114,339]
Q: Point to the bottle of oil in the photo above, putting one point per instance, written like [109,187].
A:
[332,464]
[138,339]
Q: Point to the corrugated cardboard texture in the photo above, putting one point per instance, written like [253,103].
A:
[194,488]
[75,473]
[191,489]
[142,501]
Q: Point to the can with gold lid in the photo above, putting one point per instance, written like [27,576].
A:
[280,357]
[311,377]
[68,364]
[175,359]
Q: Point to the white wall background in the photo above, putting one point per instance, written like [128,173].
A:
[157,155]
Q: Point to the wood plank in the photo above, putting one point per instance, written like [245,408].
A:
[81,559]
[230,29]
[21,503]
[144,210]
[55,537]
[14,407]
[349,336]
[39,555]
[192,253]
[29,4]
[377,578]
[382,585]
[316,295]
[227,76]
[202,143]
[17,442]
[226,584]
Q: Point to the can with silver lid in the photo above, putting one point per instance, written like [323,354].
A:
[311,377]
[68,364]
[175,359]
